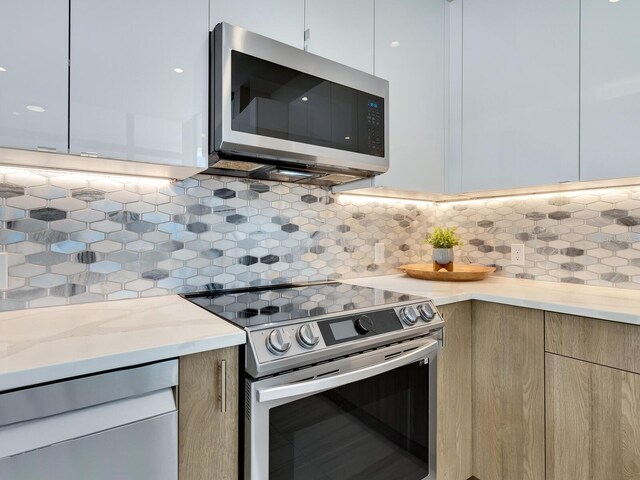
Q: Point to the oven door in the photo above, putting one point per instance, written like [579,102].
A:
[370,416]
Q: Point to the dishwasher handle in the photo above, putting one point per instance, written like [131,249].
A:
[327,383]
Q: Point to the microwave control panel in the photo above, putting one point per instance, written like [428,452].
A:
[375,127]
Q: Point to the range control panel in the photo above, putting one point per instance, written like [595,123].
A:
[273,343]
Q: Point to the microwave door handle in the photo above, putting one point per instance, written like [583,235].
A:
[327,383]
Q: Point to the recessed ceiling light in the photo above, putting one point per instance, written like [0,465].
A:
[347,138]
[614,1]
[35,108]
[178,70]
[394,44]
[304,99]
[2,69]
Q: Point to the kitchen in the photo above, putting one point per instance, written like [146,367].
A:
[186,294]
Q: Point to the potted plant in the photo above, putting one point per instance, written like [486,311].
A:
[443,239]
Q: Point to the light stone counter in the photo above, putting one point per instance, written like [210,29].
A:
[618,305]
[42,345]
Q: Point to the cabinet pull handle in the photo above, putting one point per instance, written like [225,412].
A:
[47,149]
[222,367]
[88,154]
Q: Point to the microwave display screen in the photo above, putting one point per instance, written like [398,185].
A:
[276,101]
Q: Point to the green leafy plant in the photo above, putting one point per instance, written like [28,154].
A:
[444,237]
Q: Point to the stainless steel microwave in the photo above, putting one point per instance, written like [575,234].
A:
[280,113]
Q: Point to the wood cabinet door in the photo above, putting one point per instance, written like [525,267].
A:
[207,429]
[454,461]
[593,421]
[508,395]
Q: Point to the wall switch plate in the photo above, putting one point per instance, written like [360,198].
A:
[378,253]
[4,271]
[517,254]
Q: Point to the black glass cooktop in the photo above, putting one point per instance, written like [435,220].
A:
[278,303]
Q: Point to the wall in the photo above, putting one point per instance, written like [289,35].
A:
[590,237]
[77,238]
[80,238]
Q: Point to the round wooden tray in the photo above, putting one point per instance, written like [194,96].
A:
[461,272]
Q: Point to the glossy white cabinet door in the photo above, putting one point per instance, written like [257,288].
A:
[139,80]
[410,53]
[610,89]
[520,87]
[282,20]
[341,31]
[34,52]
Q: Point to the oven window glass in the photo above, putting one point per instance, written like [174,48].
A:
[275,101]
[375,429]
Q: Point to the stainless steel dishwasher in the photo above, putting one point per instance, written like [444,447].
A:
[120,425]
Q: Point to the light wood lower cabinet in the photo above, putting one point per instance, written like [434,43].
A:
[508,392]
[454,395]
[593,421]
[207,429]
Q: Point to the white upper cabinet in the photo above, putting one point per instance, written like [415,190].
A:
[341,31]
[281,20]
[139,80]
[409,52]
[34,74]
[610,89]
[520,93]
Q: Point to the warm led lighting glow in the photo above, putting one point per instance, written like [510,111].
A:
[536,196]
[159,182]
[304,99]
[2,69]
[394,44]
[178,70]
[614,1]
[35,108]
[365,199]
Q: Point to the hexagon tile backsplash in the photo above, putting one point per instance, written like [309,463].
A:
[76,238]
[589,237]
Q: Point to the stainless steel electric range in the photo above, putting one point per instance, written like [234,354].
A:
[340,380]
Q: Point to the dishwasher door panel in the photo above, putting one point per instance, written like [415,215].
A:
[145,449]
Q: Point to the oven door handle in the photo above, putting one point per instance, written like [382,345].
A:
[327,383]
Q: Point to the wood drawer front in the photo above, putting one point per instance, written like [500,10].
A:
[593,421]
[612,344]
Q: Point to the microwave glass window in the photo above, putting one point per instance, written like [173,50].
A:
[374,429]
[275,101]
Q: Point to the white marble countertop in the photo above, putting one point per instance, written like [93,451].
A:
[618,305]
[42,345]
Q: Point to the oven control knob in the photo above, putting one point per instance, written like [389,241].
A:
[278,341]
[363,325]
[427,312]
[307,337]
[409,315]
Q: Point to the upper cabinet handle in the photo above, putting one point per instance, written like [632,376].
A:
[89,154]
[47,149]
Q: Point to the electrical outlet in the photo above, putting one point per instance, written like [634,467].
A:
[4,271]
[378,253]
[517,254]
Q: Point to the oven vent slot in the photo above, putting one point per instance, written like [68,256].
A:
[326,374]
[396,354]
